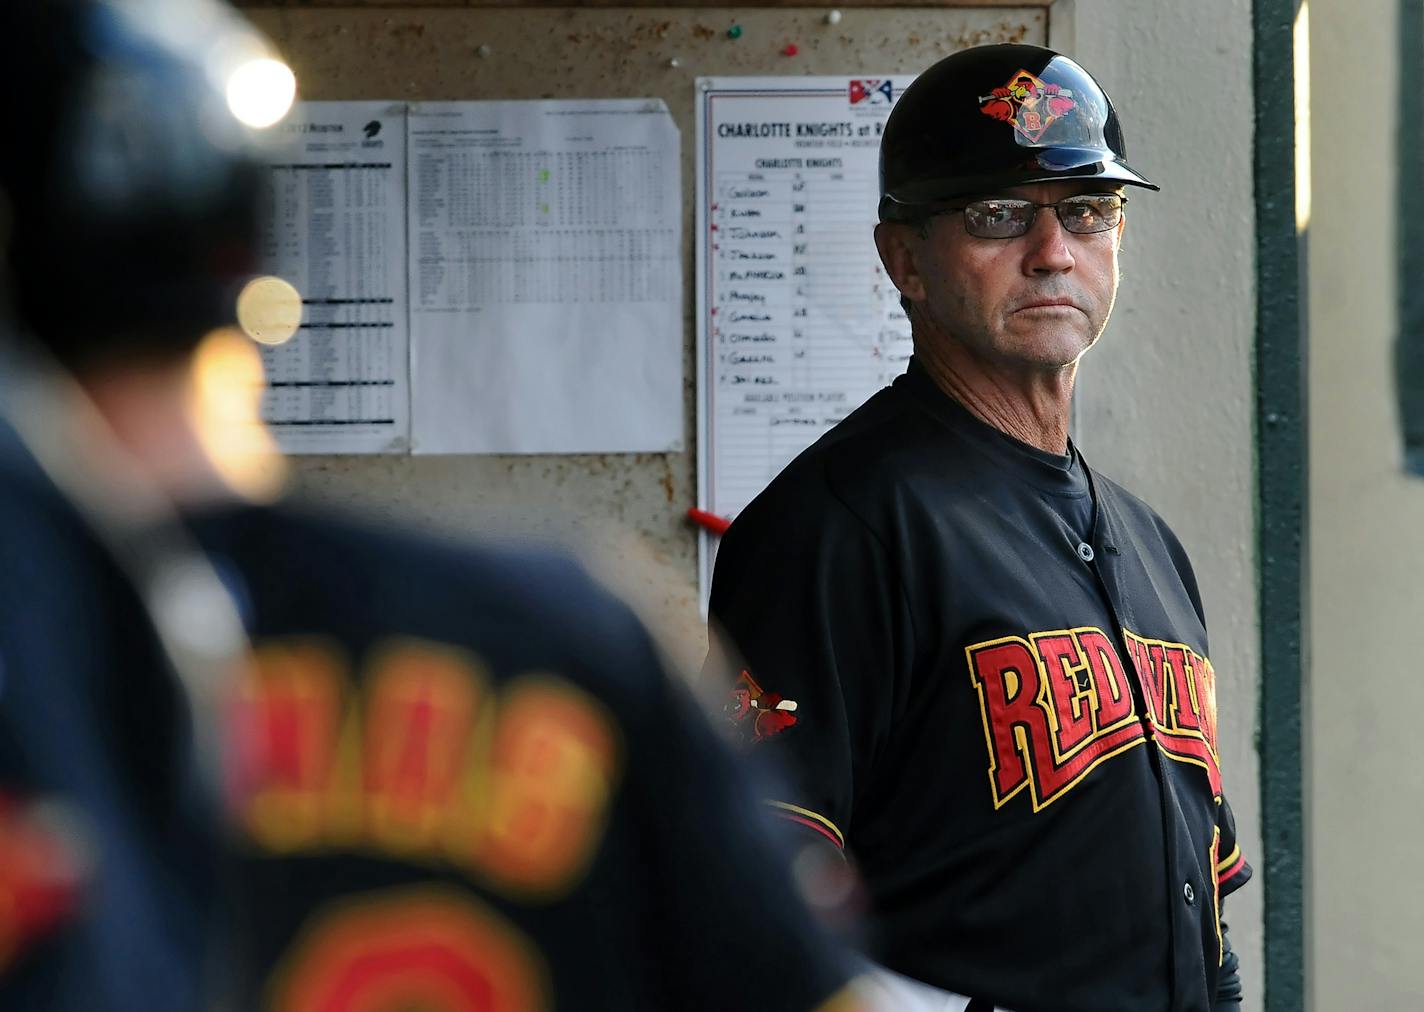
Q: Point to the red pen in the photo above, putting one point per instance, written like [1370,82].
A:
[709,521]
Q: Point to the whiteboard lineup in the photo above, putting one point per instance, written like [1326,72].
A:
[797,323]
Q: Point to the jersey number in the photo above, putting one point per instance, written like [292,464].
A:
[421,950]
[422,760]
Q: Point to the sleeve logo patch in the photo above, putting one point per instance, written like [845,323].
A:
[44,871]
[754,713]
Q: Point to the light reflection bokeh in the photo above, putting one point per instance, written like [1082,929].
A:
[226,406]
[269,310]
[261,91]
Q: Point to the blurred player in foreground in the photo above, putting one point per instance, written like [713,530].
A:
[256,758]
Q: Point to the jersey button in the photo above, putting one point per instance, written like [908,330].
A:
[1085,552]
[1188,893]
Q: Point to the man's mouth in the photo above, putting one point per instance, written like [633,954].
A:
[1049,305]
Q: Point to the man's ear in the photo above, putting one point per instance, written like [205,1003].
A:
[895,242]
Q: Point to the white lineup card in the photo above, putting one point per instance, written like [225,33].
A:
[797,323]
[545,277]
[336,230]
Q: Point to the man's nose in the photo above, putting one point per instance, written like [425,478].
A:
[1047,251]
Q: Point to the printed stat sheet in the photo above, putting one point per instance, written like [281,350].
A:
[478,277]
[336,230]
[545,277]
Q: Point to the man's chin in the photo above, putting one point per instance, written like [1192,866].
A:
[1049,351]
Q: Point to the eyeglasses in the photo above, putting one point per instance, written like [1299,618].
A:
[1008,218]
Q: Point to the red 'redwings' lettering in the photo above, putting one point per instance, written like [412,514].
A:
[1183,687]
[1113,691]
[1069,690]
[1060,702]
[1006,675]
[1051,711]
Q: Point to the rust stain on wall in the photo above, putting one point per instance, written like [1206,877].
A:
[669,482]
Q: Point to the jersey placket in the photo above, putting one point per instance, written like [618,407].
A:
[1105,564]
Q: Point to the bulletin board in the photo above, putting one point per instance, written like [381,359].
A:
[623,513]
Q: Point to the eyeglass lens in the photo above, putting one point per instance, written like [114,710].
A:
[1005,218]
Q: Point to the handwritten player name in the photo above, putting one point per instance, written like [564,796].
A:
[742,358]
[736,317]
[753,297]
[762,338]
[749,212]
[748,194]
[756,275]
[742,254]
[754,233]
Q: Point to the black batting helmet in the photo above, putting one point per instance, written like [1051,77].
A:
[996,116]
[128,188]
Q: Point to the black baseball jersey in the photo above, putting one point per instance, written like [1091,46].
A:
[97,771]
[473,762]
[1009,722]
[453,779]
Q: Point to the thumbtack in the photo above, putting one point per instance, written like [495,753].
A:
[735,32]
[483,52]
[833,18]
[674,62]
[790,49]
[710,522]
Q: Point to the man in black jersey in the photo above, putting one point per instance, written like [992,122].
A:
[257,758]
[985,663]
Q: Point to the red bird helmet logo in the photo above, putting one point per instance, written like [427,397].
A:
[1029,103]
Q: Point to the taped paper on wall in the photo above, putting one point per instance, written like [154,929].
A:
[336,230]
[546,309]
[479,277]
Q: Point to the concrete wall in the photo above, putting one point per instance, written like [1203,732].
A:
[1166,401]
[1364,775]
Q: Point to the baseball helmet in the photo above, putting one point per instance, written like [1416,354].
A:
[129,190]
[995,116]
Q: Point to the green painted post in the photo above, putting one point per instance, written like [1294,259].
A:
[1281,496]
[1409,203]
